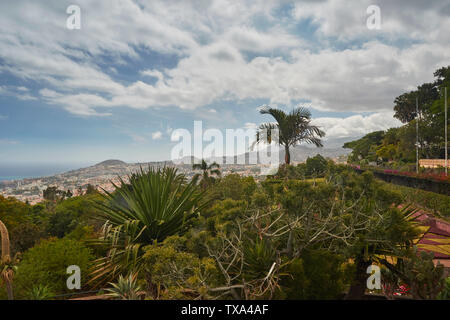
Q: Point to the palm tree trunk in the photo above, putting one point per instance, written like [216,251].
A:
[287,155]
[8,285]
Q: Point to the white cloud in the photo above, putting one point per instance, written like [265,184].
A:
[357,125]
[157,135]
[137,138]
[250,125]
[346,20]
[20,93]
[224,54]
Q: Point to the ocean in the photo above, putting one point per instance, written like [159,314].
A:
[9,178]
[10,171]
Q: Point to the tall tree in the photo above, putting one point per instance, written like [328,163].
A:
[293,128]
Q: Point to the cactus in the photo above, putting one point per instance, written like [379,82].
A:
[6,272]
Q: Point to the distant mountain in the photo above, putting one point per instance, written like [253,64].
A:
[301,153]
[298,154]
[111,162]
[339,142]
[187,160]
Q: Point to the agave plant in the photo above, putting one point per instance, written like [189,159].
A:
[125,288]
[6,268]
[149,207]
[40,292]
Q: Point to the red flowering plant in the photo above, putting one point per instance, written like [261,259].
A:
[402,290]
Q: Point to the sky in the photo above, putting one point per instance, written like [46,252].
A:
[137,70]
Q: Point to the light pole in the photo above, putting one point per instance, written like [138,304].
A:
[446,139]
[417,134]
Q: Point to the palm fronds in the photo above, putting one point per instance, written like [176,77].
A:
[293,128]
[151,206]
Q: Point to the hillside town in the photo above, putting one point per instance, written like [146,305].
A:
[100,176]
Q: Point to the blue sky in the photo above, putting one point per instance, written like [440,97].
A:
[137,70]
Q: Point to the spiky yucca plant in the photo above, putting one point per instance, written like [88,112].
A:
[125,288]
[151,206]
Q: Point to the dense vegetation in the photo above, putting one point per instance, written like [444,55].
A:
[396,147]
[307,233]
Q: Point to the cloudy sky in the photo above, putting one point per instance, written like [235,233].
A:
[137,70]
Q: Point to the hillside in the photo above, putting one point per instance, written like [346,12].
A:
[111,162]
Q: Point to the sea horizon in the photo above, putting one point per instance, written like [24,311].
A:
[12,178]
[10,172]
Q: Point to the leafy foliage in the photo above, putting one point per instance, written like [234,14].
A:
[316,275]
[309,235]
[46,264]
[445,293]
[424,277]
[66,216]
[150,207]
[177,274]
[396,146]
[125,288]
[39,292]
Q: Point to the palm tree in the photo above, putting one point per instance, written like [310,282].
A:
[6,271]
[208,171]
[293,128]
[150,207]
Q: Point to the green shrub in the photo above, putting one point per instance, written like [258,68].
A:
[438,203]
[178,274]
[71,213]
[445,293]
[236,187]
[46,264]
[316,275]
